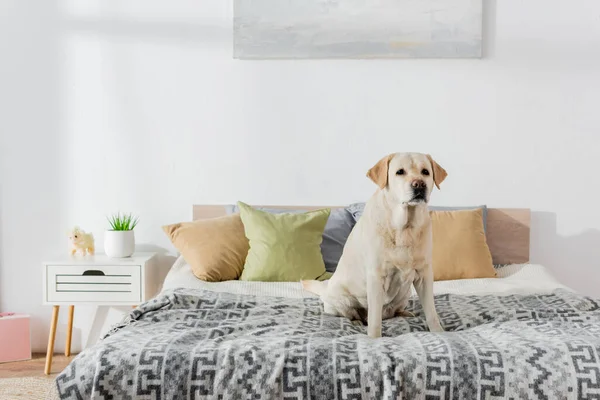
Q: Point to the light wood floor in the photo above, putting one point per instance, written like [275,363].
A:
[34,367]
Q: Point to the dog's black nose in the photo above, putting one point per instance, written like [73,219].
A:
[418,184]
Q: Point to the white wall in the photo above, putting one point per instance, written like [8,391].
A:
[138,105]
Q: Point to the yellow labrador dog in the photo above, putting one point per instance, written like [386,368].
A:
[389,249]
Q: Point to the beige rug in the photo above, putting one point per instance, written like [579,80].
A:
[36,388]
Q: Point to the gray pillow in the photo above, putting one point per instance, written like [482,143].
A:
[338,228]
[357,209]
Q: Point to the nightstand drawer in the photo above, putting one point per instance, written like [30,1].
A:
[97,283]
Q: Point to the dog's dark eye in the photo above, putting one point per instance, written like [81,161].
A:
[75,236]
[400,172]
[425,172]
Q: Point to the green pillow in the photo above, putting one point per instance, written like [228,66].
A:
[283,247]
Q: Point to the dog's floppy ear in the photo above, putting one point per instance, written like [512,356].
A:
[379,172]
[439,173]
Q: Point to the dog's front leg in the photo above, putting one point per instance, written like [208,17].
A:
[424,288]
[374,304]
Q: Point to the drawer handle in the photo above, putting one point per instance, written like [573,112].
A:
[93,272]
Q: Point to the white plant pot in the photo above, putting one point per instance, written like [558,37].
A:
[119,244]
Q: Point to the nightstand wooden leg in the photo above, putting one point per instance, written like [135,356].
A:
[51,337]
[69,331]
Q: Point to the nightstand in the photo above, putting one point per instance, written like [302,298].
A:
[96,280]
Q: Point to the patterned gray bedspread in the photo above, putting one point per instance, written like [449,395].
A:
[195,344]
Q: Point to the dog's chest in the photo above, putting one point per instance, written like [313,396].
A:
[405,248]
[396,285]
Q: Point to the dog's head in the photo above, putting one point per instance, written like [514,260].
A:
[409,177]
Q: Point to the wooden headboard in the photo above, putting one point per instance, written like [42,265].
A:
[507,229]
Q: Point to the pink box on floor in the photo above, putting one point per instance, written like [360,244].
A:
[15,342]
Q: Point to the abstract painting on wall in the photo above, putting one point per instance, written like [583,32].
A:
[272,29]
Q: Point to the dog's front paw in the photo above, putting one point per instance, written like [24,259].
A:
[374,332]
[435,326]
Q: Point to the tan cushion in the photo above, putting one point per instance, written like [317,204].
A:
[460,249]
[216,248]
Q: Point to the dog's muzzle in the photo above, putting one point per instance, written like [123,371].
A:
[419,196]
[419,188]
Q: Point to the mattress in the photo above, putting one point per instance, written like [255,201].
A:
[511,279]
[522,335]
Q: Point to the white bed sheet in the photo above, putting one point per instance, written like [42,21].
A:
[512,279]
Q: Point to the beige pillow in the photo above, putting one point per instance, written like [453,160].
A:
[460,249]
[216,248]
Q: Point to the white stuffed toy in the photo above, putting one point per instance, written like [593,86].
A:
[81,241]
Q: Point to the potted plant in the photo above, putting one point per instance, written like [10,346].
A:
[119,241]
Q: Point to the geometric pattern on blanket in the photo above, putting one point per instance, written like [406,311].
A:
[198,344]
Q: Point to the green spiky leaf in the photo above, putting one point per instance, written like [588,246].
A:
[122,222]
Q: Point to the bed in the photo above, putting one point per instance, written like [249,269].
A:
[521,335]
